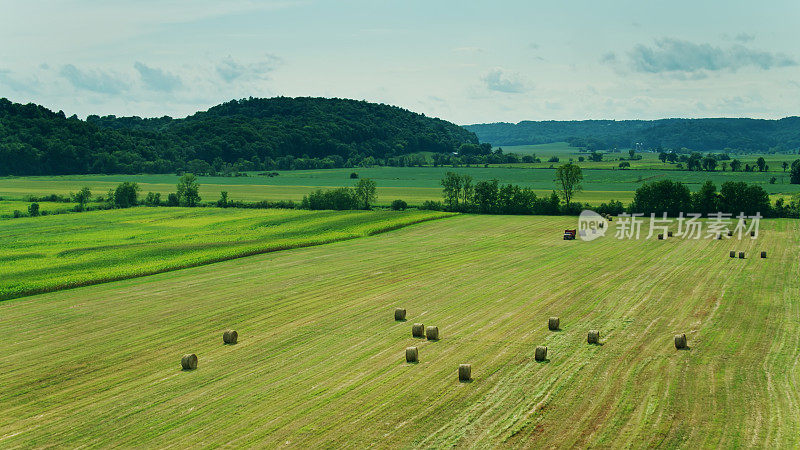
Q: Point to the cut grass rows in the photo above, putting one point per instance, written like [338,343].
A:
[320,360]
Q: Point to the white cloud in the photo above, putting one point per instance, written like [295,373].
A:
[501,80]
[158,79]
[95,80]
[675,55]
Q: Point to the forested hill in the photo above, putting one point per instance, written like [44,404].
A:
[745,135]
[249,134]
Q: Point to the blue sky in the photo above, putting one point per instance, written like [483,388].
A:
[464,61]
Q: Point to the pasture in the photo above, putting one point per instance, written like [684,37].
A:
[415,185]
[43,254]
[320,360]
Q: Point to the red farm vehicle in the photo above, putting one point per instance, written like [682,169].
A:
[570,234]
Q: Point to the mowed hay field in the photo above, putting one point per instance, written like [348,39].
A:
[320,360]
[43,254]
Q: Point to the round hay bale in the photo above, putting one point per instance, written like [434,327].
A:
[553,323]
[412,354]
[669,233]
[399,314]
[541,353]
[432,333]
[230,337]
[733,254]
[680,341]
[418,330]
[741,255]
[594,337]
[189,362]
[464,372]
[763,254]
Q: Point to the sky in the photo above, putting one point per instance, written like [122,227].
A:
[463,61]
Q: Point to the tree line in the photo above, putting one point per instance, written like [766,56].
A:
[739,135]
[250,134]
[460,193]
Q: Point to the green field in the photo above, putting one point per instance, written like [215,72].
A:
[648,161]
[42,254]
[7,207]
[412,184]
[320,360]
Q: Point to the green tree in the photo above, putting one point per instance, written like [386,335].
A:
[126,195]
[485,197]
[33,209]
[451,189]
[82,197]
[738,196]
[152,199]
[794,176]
[662,196]
[223,199]
[709,163]
[706,200]
[172,199]
[468,190]
[366,192]
[568,181]
[736,165]
[399,205]
[785,165]
[188,190]
[761,163]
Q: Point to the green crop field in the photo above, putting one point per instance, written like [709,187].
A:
[42,254]
[7,207]
[412,184]
[320,359]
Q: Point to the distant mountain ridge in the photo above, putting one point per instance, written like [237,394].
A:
[747,135]
[250,133]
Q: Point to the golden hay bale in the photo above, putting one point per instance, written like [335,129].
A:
[733,254]
[763,254]
[669,233]
[412,354]
[399,314]
[464,372]
[741,255]
[418,330]
[594,337]
[680,341]
[553,323]
[432,333]
[189,362]
[541,353]
[230,337]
